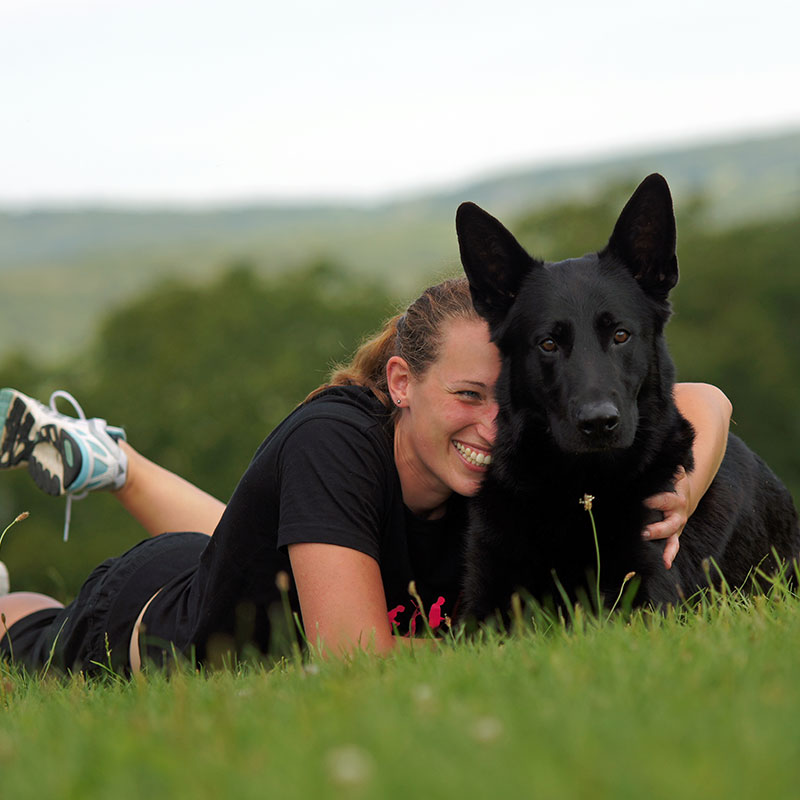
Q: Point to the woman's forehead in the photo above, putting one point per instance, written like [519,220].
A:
[467,353]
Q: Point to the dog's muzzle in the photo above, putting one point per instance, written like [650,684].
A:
[593,427]
[598,420]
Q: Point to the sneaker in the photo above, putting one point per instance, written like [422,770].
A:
[64,455]
[5,584]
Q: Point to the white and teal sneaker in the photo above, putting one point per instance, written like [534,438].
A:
[64,455]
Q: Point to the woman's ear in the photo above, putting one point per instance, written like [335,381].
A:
[397,379]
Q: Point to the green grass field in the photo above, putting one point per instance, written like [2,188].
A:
[698,704]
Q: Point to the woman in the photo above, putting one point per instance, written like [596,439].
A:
[359,490]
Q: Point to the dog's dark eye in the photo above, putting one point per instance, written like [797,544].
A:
[621,336]
[548,345]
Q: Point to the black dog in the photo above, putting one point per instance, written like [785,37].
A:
[586,407]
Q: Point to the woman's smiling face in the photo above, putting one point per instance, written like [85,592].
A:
[446,427]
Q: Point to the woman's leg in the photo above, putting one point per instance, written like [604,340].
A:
[69,455]
[66,455]
[15,606]
[162,501]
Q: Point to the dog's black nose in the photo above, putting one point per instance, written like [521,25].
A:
[596,419]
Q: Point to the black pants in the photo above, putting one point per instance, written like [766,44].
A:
[94,630]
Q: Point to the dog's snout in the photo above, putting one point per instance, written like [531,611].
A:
[596,419]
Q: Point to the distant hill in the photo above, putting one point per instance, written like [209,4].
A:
[61,268]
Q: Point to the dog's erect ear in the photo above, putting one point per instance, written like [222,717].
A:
[494,261]
[644,237]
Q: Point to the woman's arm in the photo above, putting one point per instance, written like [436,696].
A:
[341,595]
[709,411]
[342,601]
[162,501]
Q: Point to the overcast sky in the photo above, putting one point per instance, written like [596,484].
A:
[229,100]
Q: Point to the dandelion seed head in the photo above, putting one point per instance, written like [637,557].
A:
[486,729]
[423,696]
[349,765]
[422,692]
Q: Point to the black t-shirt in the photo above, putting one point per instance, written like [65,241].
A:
[325,474]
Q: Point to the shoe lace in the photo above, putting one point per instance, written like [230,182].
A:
[70,495]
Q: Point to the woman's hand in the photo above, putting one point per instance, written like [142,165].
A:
[709,412]
[675,507]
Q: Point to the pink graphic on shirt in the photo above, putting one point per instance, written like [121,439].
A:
[412,624]
[393,614]
[435,616]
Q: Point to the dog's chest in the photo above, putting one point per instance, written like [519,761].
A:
[547,529]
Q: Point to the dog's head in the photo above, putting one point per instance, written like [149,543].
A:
[580,339]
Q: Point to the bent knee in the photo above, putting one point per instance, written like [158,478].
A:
[17,605]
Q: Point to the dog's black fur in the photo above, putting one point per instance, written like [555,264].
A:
[586,407]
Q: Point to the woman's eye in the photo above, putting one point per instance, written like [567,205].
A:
[621,336]
[469,394]
[548,345]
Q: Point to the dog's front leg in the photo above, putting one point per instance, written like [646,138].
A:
[661,587]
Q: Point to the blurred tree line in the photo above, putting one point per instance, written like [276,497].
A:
[199,374]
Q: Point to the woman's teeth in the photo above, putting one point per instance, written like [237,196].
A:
[478,459]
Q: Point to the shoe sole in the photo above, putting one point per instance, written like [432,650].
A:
[16,445]
[53,457]
[56,460]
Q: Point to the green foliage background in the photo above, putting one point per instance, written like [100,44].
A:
[199,373]
[198,376]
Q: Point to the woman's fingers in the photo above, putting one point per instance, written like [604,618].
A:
[674,506]
[671,550]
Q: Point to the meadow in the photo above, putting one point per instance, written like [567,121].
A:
[699,703]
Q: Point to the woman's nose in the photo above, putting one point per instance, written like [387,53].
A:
[487,425]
